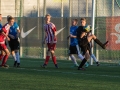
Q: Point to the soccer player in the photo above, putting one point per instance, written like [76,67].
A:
[74,48]
[4,35]
[2,52]
[14,43]
[84,40]
[50,39]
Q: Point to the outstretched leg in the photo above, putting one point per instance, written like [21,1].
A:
[97,41]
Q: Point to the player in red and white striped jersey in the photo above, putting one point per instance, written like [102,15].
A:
[50,39]
[4,35]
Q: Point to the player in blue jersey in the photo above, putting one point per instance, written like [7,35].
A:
[74,48]
[14,43]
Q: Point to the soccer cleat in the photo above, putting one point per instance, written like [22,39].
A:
[81,69]
[86,65]
[44,66]
[75,65]
[15,63]
[18,64]
[98,64]
[56,66]
[4,66]
[105,44]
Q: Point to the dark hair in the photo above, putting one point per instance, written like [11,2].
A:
[0,14]
[76,20]
[83,19]
[10,18]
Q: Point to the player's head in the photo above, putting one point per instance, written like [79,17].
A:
[83,21]
[8,17]
[74,22]
[10,21]
[47,18]
[0,17]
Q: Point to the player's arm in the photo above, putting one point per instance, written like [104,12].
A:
[73,36]
[54,33]
[83,34]
[1,31]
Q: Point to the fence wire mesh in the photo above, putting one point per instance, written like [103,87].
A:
[30,13]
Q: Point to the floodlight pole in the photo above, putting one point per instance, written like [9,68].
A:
[93,24]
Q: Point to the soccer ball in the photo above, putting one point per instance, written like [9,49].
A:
[87,28]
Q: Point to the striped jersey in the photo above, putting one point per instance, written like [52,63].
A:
[50,30]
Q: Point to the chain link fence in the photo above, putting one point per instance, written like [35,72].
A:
[30,14]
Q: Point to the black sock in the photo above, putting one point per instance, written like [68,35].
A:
[99,43]
[82,63]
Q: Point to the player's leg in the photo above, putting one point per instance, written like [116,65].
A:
[2,54]
[97,41]
[81,57]
[11,45]
[17,47]
[17,57]
[53,46]
[84,60]
[47,56]
[74,60]
[14,57]
[95,59]
[73,50]
[5,57]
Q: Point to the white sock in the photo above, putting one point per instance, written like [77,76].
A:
[94,58]
[73,59]
[80,56]
[17,57]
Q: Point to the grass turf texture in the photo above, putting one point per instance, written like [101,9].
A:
[30,76]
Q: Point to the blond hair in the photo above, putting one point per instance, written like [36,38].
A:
[83,19]
[48,15]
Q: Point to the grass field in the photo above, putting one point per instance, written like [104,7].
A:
[30,76]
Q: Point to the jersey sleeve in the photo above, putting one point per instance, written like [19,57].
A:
[3,29]
[16,26]
[0,26]
[53,27]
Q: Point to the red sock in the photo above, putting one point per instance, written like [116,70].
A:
[47,59]
[4,60]
[54,59]
[1,56]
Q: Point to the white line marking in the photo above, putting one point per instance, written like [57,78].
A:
[68,72]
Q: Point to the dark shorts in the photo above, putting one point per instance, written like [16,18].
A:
[83,42]
[14,44]
[84,45]
[72,50]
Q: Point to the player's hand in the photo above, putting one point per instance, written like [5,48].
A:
[11,36]
[68,37]
[8,38]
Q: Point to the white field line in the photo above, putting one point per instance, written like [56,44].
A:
[69,72]
[108,65]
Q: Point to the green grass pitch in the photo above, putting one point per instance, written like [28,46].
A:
[30,76]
